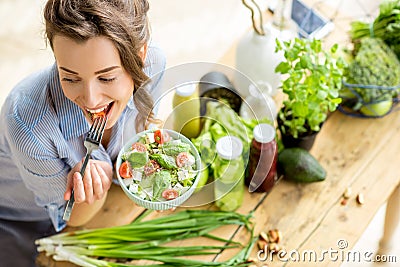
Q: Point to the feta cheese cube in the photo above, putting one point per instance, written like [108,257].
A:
[183,174]
[137,176]
[134,188]
[181,189]
[177,187]
[150,138]
[148,192]
[191,160]
[127,181]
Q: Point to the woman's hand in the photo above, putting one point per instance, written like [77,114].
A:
[93,186]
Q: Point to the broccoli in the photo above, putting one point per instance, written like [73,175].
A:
[374,64]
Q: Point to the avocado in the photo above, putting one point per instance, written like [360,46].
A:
[298,165]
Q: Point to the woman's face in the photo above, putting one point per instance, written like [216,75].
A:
[92,76]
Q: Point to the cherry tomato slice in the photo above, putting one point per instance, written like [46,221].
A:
[159,137]
[124,170]
[181,159]
[150,167]
[100,114]
[139,147]
[170,194]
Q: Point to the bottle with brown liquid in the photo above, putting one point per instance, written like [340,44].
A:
[262,168]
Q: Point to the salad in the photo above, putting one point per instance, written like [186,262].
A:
[158,167]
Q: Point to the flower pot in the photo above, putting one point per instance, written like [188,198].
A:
[305,141]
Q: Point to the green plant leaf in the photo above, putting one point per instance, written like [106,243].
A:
[306,62]
[300,109]
[282,68]
[322,94]
[312,83]
[334,48]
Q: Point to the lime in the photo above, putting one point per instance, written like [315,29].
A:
[377,109]
[228,204]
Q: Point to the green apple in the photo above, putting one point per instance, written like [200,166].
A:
[203,177]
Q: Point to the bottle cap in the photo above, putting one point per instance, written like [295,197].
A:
[186,89]
[229,147]
[264,133]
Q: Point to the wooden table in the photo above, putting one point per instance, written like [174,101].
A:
[357,153]
[362,154]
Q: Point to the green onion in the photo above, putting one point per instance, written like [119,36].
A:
[147,240]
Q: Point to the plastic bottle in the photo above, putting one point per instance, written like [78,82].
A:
[229,174]
[186,112]
[261,174]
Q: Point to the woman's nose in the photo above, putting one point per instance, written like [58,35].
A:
[90,94]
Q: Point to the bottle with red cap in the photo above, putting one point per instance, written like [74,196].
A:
[261,173]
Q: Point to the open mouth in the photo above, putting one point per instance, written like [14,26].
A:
[102,112]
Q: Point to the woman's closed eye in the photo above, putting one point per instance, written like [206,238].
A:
[107,80]
[70,80]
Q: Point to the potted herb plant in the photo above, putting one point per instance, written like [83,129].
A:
[312,79]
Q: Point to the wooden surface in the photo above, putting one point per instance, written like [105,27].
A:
[357,153]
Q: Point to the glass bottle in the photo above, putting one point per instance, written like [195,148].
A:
[255,53]
[186,110]
[259,104]
[261,174]
[229,174]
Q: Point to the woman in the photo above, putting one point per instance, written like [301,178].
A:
[102,57]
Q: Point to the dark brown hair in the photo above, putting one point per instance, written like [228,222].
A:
[124,22]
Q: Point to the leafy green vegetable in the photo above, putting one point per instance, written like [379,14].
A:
[165,161]
[173,149]
[138,159]
[162,180]
[374,64]
[385,26]
[147,181]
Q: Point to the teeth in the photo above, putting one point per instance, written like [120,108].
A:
[94,111]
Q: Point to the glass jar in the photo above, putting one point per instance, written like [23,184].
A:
[261,174]
[259,104]
[229,174]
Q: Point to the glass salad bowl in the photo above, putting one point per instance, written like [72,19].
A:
[158,169]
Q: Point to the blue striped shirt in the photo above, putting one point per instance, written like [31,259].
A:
[41,139]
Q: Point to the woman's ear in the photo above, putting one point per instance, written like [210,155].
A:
[143,52]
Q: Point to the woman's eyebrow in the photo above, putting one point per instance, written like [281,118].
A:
[97,72]
[68,70]
[106,70]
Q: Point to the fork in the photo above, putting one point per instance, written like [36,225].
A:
[92,142]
